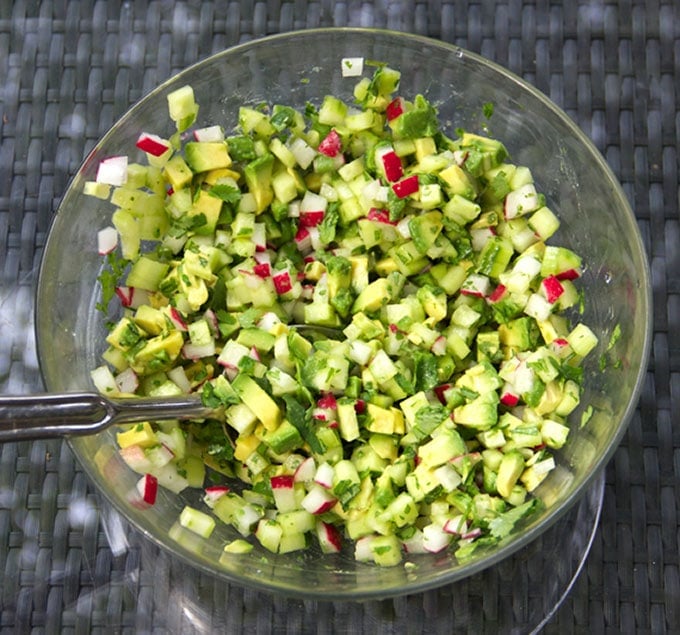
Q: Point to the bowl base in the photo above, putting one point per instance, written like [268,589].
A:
[521,594]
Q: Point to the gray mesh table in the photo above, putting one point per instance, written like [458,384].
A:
[69,68]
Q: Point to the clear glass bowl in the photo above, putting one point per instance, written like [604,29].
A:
[304,66]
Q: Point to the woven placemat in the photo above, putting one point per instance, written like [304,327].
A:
[69,68]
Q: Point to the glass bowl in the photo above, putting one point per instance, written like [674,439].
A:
[301,67]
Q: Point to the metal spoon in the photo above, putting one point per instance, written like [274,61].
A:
[46,416]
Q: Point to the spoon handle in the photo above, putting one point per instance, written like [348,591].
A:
[71,414]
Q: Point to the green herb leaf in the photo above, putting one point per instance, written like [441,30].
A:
[301,419]
[502,525]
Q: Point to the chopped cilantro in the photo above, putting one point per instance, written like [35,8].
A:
[301,419]
[487,109]
[109,278]
[227,193]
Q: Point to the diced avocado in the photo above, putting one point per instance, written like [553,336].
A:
[125,334]
[202,156]
[140,434]
[458,183]
[380,420]
[348,422]
[492,150]
[256,337]
[509,470]
[480,414]
[149,319]
[373,297]
[519,334]
[434,301]
[177,172]
[284,439]
[258,175]
[159,353]
[446,444]
[210,207]
[257,400]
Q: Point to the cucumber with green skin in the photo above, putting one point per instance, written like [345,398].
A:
[431,420]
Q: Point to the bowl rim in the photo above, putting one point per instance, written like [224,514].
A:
[521,540]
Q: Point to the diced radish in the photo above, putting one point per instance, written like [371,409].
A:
[231,355]
[147,486]
[177,319]
[394,108]
[303,239]
[521,201]
[330,539]
[210,317]
[569,274]
[127,381]
[480,237]
[311,219]
[136,459]
[283,491]
[538,307]
[476,285]
[312,202]
[552,289]
[262,269]
[327,401]
[318,501]
[324,475]
[107,240]
[406,186]
[403,226]
[103,379]
[331,144]
[456,525]
[560,346]
[268,321]
[523,379]
[390,163]
[380,216]
[440,392]
[305,471]
[415,544]
[360,406]
[113,171]
[435,539]
[352,66]
[476,532]
[198,351]
[439,346]
[282,281]
[259,236]
[509,396]
[497,294]
[209,133]
[448,477]
[153,144]
[315,238]
[363,551]
[125,294]
[213,493]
